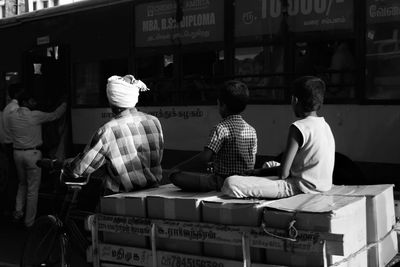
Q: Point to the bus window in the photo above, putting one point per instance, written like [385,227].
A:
[201,71]
[383,50]
[46,74]
[149,67]
[158,72]
[333,61]
[87,84]
[91,80]
[261,68]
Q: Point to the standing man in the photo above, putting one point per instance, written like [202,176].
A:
[14,91]
[26,130]
[131,143]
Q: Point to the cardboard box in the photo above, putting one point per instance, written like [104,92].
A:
[330,214]
[380,207]
[128,204]
[380,218]
[385,250]
[241,212]
[175,204]
[127,256]
[288,258]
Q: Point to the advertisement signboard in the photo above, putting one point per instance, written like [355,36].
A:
[156,23]
[260,17]
[383,11]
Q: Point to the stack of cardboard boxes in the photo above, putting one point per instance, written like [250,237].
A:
[325,214]
[363,216]
[129,204]
[175,204]
[243,212]
[380,218]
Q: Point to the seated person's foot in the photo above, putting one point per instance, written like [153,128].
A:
[183,181]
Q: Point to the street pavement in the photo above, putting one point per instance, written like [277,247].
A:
[12,239]
[13,234]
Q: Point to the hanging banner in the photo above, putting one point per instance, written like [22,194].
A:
[201,21]
[260,17]
[383,11]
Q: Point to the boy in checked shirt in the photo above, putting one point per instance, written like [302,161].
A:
[231,148]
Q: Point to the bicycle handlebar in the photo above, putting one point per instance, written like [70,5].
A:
[75,180]
[67,178]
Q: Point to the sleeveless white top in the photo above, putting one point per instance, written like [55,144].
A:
[315,159]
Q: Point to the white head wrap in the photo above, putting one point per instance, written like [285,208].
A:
[123,92]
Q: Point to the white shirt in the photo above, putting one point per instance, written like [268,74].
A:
[315,159]
[26,125]
[12,106]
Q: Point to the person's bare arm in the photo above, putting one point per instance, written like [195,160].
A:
[294,142]
[42,117]
[206,156]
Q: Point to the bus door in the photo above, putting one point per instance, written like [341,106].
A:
[47,78]
[7,78]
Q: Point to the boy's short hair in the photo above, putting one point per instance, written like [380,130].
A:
[235,95]
[24,96]
[310,91]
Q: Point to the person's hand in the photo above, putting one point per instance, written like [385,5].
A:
[210,167]
[270,164]
[67,169]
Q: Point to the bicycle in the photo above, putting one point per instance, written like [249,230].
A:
[49,240]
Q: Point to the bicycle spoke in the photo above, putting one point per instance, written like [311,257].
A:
[45,245]
[77,237]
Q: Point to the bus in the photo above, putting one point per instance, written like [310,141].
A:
[184,49]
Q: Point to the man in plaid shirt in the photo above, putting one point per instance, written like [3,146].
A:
[232,144]
[131,144]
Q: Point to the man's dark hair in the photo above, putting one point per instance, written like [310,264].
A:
[310,91]
[235,95]
[116,110]
[15,89]
[24,96]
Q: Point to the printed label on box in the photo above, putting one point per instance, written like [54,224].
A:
[121,224]
[125,255]
[304,240]
[143,257]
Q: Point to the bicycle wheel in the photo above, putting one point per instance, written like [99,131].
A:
[77,239]
[46,244]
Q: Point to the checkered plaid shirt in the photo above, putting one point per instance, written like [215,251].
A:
[234,143]
[132,144]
